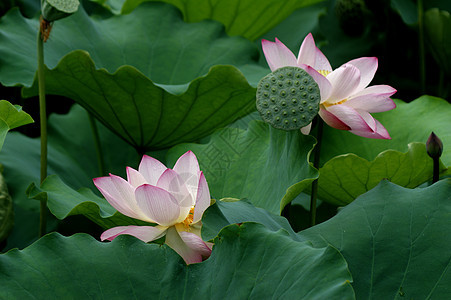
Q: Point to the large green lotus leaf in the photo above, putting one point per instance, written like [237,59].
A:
[145,115]
[395,240]
[247,18]
[347,176]
[260,164]
[11,116]
[225,212]
[437,25]
[154,39]
[63,201]
[79,266]
[408,122]
[71,155]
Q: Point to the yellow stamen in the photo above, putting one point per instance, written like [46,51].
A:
[336,103]
[324,72]
[189,218]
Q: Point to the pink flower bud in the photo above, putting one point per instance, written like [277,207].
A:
[434,146]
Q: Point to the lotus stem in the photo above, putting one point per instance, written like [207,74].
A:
[43,125]
[98,146]
[317,152]
[435,170]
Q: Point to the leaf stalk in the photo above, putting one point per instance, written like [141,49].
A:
[43,125]
[317,152]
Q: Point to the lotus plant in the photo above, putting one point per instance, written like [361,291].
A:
[174,199]
[346,99]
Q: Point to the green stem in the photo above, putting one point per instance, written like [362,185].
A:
[43,123]
[421,46]
[98,146]
[435,169]
[314,194]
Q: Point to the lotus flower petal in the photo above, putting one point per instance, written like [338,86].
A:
[188,169]
[144,233]
[344,82]
[307,52]
[350,117]
[367,67]
[120,194]
[310,55]
[196,243]
[373,99]
[379,133]
[368,119]
[191,254]
[135,178]
[203,198]
[306,130]
[321,62]
[176,201]
[158,204]
[151,169]
[325,87]
[278,55]
[332,120]
[172,182]
[346,101]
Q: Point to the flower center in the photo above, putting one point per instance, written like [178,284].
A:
[324,72]
[336,103]
[189,218]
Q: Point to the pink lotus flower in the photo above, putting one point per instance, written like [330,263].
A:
[346,99]
[175,199]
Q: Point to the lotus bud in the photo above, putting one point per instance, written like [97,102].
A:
[53,10]
[434,146]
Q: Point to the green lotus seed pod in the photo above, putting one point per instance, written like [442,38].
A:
[53,10]
[290,108]
[6,210]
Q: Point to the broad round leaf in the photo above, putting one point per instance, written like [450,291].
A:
[225,212]
[128,101]
[345,177]
[395,240]
[80,267]
[154,40]
[247,18]
[260,164]
[64,201]
[144,114]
